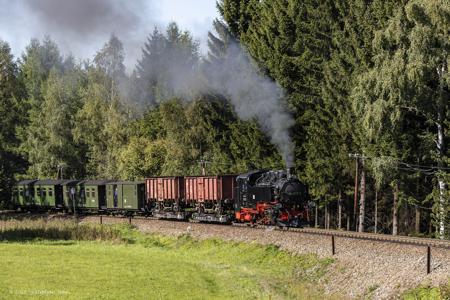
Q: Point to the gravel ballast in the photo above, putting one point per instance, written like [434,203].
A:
[361,268]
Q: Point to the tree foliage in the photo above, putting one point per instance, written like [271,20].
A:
[366,77]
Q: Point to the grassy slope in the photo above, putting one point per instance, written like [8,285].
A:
[154,267]
[428,293]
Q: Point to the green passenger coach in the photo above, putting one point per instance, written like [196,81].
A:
[93,194]
[48,193]
[24,193]
[125,195]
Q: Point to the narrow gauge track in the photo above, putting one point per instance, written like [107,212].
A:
[406,240]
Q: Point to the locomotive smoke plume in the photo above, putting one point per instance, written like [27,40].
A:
[255,96]
[252,94]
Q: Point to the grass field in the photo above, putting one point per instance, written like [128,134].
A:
[137,266]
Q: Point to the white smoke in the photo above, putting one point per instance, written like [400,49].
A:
[253,95]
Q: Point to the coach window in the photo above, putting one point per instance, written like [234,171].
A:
[93,193]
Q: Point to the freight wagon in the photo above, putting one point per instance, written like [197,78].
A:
[165,198]
[212,197]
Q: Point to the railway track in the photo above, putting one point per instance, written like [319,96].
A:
[362,236]
[406,240]
[335,233]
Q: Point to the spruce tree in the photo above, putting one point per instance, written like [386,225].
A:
[11,101]
[168,62]
[53,144]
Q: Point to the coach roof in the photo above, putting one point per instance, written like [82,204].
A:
[49,182]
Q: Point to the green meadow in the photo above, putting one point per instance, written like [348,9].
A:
[61,260]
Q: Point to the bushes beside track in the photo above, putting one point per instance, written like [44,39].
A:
[28,230]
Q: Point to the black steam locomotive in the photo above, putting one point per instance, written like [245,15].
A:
[271,198]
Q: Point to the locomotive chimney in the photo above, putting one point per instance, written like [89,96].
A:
[290,172]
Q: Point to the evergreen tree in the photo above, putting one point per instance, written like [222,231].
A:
[11,93]
[219,42]
[37,62]
[168,61]
[237,14]
[53,145]
[101,126]
[291,41]
[335,129]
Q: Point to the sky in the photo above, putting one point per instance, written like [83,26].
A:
[81,27]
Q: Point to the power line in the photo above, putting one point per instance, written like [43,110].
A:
[407,166]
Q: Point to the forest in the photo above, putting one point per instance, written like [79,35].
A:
[353,93]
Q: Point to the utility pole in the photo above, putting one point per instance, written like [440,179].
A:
[203,166]
[355,203]
[362,199]
[72,193]
[203,163]
[60,173]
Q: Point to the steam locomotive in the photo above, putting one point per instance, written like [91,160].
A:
[263,197]
[271,198]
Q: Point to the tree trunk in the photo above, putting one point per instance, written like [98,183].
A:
[326,217]
[441,149]
[395,211]
[430,226]
[362,199]
[405,216]
[417,222]
[355,202]
[339,211]
[348,222]
[375,228]
[316,217]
